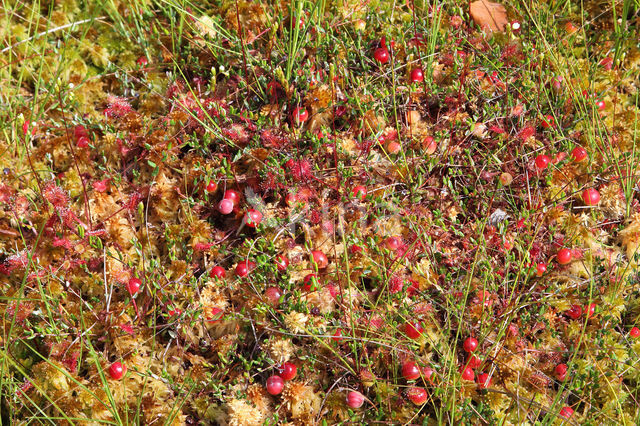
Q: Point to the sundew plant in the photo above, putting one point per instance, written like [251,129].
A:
[328,212]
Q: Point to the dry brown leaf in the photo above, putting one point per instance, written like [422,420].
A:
[488,15]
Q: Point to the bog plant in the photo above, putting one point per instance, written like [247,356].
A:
[251,212]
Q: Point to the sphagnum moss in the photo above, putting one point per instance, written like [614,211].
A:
[124,127]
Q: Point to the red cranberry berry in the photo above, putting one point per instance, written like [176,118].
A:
[410,371]
[216,315]
[355,399]
[320,259]
[134,285]
[359,192]
[589,310]
[300,115]
[413,329]
[275,384]
[564,256]
[417,395]
[561,371]
[574,312]
[467,373]
[117,370]
[417,75]
[591,197]
[548,121]
[310,282]
[217,272]
[252,218]
[82,142]
[282,262]
[393,243]
[484,381]
[287,371]
[542,161]
[273,295]
[232,195]
[474,362]
[470,345]
[381,55]
[566,412]
[579,153]
[225,206]
[244,268]
[211,186]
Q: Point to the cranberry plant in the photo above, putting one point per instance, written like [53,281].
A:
[319,213]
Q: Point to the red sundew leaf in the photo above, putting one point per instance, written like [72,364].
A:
[496,129]
[18,260]
[412,288]
[127,328]
[607,63]
[390,135]
[77,262]
[535,251]
[199,82]
[526,133]
[270,182]
[236,133]
[117,107]
[5,193]
[175,89]
[96,233]
[131,204]
[299,169]
[559,157]
[122,147]
[366,145]
[558,241]
[510,51]
[26,386]
[69,218]
[418,40]
[315,217]
[71,362]
[396,283]
[203,246]
[22,311]
[34,275]
[101,185]
[55,195]
[95,264]
[271,139]
[576,253]
[517,110]
[422,308]
[376,322]
[26,125]
[62,242]
[250,125]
